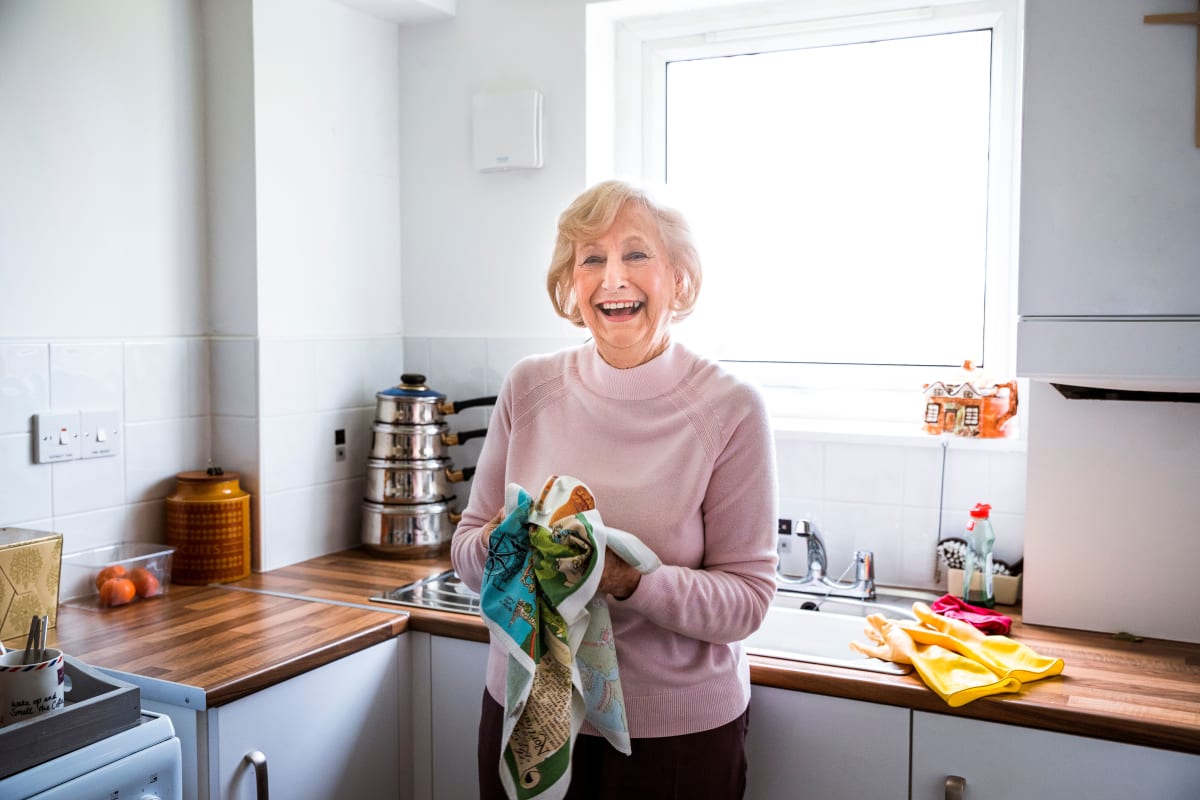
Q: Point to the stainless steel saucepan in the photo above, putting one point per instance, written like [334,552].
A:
[408,531]
[412,482]
[417,442]
[413,403]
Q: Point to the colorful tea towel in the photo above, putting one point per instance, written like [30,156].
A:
[539,600]
[956,660]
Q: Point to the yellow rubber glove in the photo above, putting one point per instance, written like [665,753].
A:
[1000,654]
[957,679]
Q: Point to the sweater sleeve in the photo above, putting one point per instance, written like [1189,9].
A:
[468,549]
[726,599]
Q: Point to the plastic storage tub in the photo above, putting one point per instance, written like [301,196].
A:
[146,566]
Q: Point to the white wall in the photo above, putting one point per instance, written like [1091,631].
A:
[102,225]
[476,245]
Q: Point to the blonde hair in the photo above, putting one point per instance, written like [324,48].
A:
[591,215]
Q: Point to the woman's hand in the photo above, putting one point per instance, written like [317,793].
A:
[485,533]
[618,578]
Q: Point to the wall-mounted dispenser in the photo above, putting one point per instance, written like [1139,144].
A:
[507,130]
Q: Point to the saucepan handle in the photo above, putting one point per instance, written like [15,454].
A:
[451,439]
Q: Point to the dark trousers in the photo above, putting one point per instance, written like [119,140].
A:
[708,764]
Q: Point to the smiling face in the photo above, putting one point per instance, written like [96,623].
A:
[624,287]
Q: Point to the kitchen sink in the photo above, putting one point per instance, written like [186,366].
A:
[441,592]
[798,627]
[818,630]
[817,637]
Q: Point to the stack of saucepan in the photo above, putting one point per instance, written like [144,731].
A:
[410,508]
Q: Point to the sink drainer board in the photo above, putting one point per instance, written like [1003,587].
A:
[441,592]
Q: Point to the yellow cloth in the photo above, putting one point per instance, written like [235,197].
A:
[959,662]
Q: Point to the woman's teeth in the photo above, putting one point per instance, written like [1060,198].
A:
[621,309]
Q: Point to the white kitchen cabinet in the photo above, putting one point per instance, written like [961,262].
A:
[1108,286]
[1005,762]
[808,745]
[448,678]
[332,732]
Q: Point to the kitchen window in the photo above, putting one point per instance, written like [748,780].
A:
[851,179]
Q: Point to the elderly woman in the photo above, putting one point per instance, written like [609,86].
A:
[676,451]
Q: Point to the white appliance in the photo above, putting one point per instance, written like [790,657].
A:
[142,763]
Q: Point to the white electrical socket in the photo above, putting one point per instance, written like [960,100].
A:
[100,433]
[55,436]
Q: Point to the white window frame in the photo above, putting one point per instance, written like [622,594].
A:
[629,43]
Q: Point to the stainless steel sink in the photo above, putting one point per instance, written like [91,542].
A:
[441,592]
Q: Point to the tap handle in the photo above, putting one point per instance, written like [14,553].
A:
[864,565]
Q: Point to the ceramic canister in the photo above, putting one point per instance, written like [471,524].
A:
[208,524]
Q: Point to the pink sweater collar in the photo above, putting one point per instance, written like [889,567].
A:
[656,377]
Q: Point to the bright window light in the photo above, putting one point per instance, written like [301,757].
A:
[842,192]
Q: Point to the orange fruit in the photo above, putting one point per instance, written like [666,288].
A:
[117,592]
[144,582]
[115,571]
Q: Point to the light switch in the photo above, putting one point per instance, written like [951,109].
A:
[101,432]
[55,436]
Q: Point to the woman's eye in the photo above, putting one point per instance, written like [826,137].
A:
[636,255]
[592,260]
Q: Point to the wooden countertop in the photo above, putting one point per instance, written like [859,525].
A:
[1144,693]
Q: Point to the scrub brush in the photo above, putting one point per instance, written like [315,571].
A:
[952,554]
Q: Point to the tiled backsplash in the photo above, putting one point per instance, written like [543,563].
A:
[268,409]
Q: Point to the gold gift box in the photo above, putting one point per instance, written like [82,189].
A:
[30,565]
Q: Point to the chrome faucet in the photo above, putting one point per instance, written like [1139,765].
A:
[815,580]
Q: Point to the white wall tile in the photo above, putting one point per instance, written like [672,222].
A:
[199,377]
[24,385]
[864,473]
[157,451]
[235,449]
[801,468]
[88,376]
[298,450]
[234,377]
[88,484]
[967,481]
[859,526]
[416,354]
[922,476]
[25,492]
[309,522]
[146,522]
[918,546]
[384,362]
[1006,482]
[458,369]
[304,375]
[92,529]
[156,380]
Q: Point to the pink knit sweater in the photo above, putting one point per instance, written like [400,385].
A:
[680,453]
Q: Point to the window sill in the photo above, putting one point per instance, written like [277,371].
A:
[884,433]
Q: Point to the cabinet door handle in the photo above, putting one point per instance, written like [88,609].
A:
[956,787]
[258,760]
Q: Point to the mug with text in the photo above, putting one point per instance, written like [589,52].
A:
[27,690]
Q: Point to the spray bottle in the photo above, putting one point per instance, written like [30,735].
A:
[980,538]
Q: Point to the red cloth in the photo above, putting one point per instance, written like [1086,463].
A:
[986,620]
